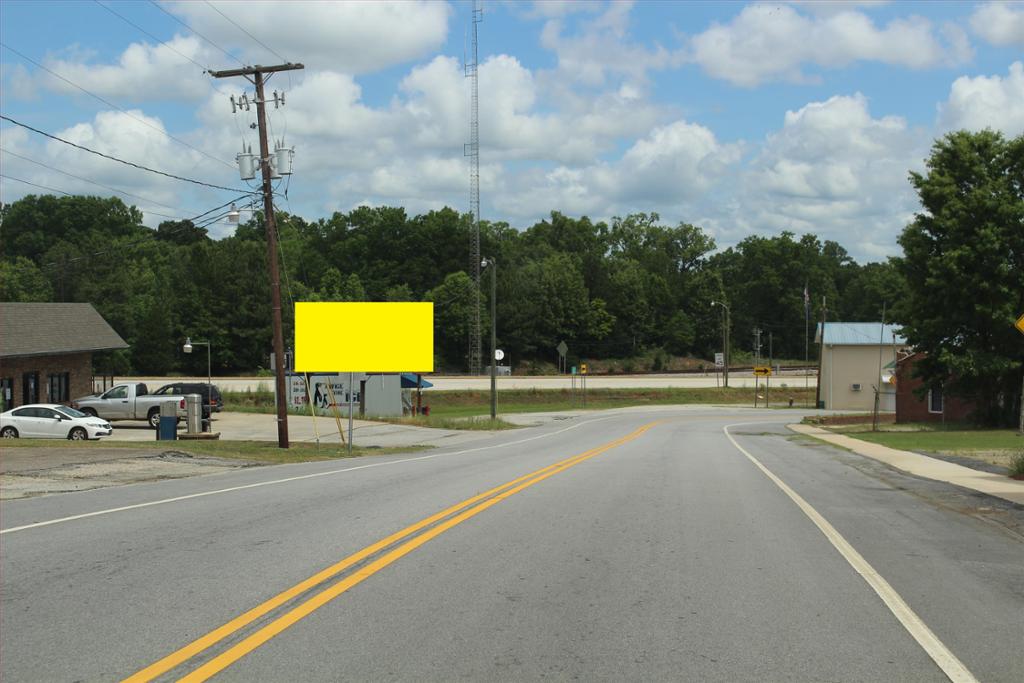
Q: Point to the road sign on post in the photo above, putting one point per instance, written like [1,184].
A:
[762,371]
[583,368]
[1020,324]
[719,360]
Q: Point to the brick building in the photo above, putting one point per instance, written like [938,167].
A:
[46,351]
[933,406]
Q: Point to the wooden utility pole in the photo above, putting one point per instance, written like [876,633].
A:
[256,74]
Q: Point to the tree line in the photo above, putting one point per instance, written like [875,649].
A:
[608,289]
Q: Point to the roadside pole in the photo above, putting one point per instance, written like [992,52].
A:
[351,395]
[257,72]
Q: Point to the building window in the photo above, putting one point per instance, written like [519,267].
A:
[7,393]
[30,388]
[935,401]
[60,387]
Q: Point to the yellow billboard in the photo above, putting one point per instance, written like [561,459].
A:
[364,336]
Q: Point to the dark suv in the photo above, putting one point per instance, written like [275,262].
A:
[204,390]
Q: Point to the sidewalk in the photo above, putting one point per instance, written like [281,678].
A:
[922,466]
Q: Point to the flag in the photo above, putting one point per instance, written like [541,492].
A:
[807,301]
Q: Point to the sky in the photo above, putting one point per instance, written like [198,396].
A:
[744,119]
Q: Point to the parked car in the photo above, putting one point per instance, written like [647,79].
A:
[51,421]
[216,404]
[128,402]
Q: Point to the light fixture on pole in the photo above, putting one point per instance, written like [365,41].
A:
[725,339]
[187,348]
[494,327]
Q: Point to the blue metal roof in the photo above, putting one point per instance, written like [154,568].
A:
[860,334]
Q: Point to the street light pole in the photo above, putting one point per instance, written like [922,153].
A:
[494,333]
[725,339]
[187,348]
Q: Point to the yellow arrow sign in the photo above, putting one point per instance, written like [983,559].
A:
[1020,324]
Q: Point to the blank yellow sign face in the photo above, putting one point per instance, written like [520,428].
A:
[364,336]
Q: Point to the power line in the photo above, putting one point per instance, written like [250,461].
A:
[236,25]
[93,182]
[162,42]
[122,161]
[228,54]
[111,104]
[132,23]
[146,238]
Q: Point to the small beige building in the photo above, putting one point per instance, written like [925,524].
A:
[854,357]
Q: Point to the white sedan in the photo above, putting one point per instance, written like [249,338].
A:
[51,421]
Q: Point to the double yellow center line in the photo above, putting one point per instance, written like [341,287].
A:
[431,527]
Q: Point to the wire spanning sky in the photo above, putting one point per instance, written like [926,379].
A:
[743,119]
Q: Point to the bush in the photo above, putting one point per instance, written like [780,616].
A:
[1017,466]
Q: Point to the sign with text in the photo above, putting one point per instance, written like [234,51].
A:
[719,360]
[362,336]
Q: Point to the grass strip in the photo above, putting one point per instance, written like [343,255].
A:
[257,451]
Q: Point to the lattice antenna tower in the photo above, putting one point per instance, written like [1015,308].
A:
[472,150]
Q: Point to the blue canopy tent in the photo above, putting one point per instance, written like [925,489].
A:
[409,382]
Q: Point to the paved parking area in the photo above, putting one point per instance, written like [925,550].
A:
[302,428]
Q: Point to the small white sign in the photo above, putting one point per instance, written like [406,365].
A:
[498,354]
[719,360]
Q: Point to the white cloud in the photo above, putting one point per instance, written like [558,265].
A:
[351,37]
[669,168]
[603,49]
[17,82]
[143,73]
[774,42]
[132,136]
[835,171]
[1000,23]
[986,102]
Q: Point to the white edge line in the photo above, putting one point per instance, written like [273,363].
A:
[314,475]
[925,637]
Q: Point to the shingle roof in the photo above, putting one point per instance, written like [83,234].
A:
[859,334]
[38,329]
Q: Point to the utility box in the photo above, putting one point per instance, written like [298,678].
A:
[167,430]
[193,413]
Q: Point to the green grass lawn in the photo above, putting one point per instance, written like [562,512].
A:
[463,404]
[928,438]
[950,441]
[260,451]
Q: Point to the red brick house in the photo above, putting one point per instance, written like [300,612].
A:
[46,351]
[934,406]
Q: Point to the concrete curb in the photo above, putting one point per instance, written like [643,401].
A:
[923,466]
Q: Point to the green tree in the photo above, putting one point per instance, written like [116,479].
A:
[453,313]
[964,267]
[21,280]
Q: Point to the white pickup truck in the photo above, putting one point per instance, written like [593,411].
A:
[127,402]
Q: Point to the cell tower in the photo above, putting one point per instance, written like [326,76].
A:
[472,150]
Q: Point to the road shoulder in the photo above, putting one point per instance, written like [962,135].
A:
[923,466]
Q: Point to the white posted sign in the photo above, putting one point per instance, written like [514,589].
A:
[719,360]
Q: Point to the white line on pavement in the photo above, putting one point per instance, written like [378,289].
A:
[290,479]
[926,638]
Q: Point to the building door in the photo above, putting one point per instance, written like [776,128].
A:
[6,393]
[30,388]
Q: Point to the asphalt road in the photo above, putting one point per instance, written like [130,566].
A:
[641,545]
